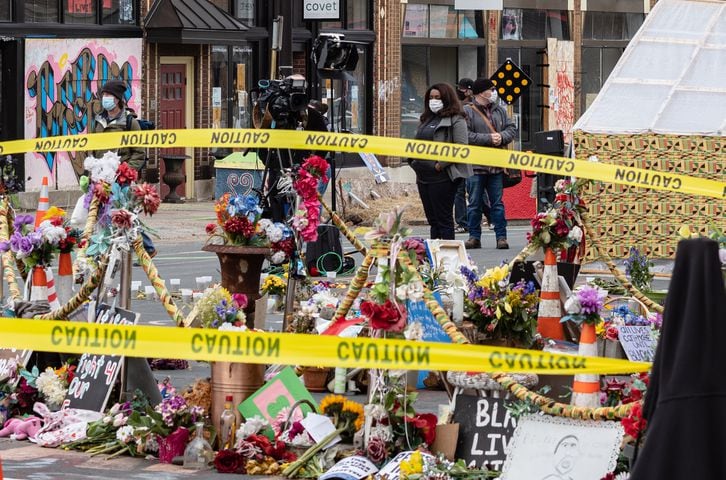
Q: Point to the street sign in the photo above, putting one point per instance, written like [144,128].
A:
[511,81]
[321,9]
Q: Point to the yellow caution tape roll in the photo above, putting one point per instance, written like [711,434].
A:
[419,149]
[293,349]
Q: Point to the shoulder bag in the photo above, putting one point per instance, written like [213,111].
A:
[511,177]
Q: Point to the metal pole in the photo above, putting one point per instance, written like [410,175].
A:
[124,294]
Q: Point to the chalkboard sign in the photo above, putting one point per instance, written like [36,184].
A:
[485,430]
[12,356]
[96,374]
[432,331]
[637,342]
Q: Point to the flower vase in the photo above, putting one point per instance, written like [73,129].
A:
[241,268]
[238,380]
[316,378]
[172,445]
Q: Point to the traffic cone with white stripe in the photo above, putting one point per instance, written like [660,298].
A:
[43,202]
[64,282]
[52,295]
[550,310]
[586,387]
[38,285]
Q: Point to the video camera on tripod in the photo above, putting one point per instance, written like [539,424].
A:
[280,103]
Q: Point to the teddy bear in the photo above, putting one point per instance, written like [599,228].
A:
[21,428]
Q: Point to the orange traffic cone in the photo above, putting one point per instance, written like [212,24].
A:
[39,285]
[43,202]
[550,311]
[52,295]
[64,281]
[586,387]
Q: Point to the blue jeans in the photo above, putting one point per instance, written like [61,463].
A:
[477,186]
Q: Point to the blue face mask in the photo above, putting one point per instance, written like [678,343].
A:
[108,103]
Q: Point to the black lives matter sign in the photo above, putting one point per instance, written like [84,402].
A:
[485,430]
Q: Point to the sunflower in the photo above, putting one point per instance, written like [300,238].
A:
[332,405]
[353,413]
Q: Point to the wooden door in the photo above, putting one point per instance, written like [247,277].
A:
[172,109]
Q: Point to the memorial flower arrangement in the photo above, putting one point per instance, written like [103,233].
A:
[623,316]
[501,311]
[637,267]
[556,228]
[240,222]
[222,310]
[307,216]
[52,383]
[273,285]
[585,305]
[35,246]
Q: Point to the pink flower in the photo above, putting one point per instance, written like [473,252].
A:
[240,299]
[149,197]
[125,174]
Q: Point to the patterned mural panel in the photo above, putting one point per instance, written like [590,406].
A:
[649,219]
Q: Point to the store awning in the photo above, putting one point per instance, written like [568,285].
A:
[192,21]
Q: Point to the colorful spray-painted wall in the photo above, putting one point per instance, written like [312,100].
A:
[62,80]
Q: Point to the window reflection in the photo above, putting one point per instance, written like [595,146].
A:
[41,11]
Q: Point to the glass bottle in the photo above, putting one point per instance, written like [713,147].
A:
[198,454]
[227,425]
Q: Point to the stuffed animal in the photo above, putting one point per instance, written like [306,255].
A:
[21,428]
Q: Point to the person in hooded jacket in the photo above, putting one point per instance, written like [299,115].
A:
[113,118]
[441,121]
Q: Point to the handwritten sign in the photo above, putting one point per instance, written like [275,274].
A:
[637,342]
[432,331]
[350,468]
[10,358]
[96,374]
[485,430]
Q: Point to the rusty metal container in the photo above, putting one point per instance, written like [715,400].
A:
[240,380]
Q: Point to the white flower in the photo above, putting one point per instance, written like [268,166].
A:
[104,168]
[107,419]
[415,291]
[229,327]
[402,292]
[264,224]
[51,387]
[125,434]
[375,411]
[455,279]
[274,233]
[251,427]
[572,305]
[575,234]
[384,432]
[278,257]
[151,445]
[414,331]
[52,234]
[115,409]
[119,420]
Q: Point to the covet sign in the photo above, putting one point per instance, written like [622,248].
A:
[321,9]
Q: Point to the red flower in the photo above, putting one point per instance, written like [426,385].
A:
[317,166]
[383,317]
[229,461]
[634,423]
[425,423]
[239,226]
[121,218]
[149,197]
[102,191]
[125,174]
[210,228]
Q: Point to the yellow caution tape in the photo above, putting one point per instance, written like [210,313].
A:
[420,149]
[293,349]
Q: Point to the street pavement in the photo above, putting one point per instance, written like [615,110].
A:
[181,234]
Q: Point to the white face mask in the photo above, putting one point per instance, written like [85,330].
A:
[108,102]
[494,96]
[436,105]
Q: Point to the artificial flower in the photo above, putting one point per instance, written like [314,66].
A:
[230,461]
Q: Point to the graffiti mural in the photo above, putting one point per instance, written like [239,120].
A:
[62,80]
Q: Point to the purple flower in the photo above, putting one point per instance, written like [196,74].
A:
[469,274]
[36,238]
[25,247]
[22,220]
[4,246]
[15,241]
[591,299]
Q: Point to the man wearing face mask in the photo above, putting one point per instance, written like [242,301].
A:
[489,126]
[113,119]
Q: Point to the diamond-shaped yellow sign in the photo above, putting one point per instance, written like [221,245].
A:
[510,81]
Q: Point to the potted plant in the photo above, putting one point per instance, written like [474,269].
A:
[274,286]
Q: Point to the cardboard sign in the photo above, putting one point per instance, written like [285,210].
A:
[637,342]
[485,430]
[432,331]
[350,468]
[281,392]
[96,374]
[12,356]
[550,448]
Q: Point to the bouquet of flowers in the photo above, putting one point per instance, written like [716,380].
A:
[624,316]
[557,228]
[240,222]
[307,217]
[585,305]
[52,384]
[222,310]
[273,285]
[502,311]
[637,267]
[34,246]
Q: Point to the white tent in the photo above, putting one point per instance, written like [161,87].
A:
[671,79]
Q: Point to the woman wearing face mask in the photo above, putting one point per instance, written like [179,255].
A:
[113,119]
[437,181]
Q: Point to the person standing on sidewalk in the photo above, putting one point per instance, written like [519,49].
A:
[442,121]
[489,126]
[463,90]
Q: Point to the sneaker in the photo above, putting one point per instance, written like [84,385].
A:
[472,243]
[460,229]
[502,244]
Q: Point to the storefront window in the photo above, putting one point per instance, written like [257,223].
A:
[41,11]
[79,11]
[416,21]
[443,22]
[6,12]
[245,11]
[530,24]
[241,81]
[357,14]
[119,12]
[611,25]
[471,24]
[231,76]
